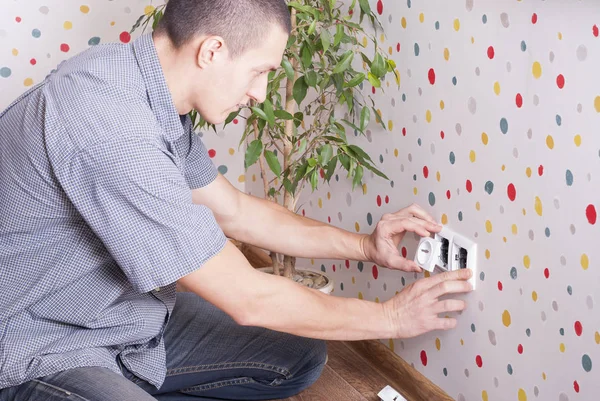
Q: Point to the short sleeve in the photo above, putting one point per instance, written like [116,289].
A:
[137,201]
[199,168]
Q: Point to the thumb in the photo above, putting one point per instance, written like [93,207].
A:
[398,262]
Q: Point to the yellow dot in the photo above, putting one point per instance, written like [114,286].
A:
[438,344]
[497,88]
[522,395]
[68,25]
[415,190]
[550,142]
[353,280]
[503,167]
[231,151]
[488,226]
[426,273]
[403,22]
[559,36]
[84,9]
[148,10]
[320,203]
[456,24]
[438,176]
[312,261]
[597,104]
[253,177]
[585,261]
[397,74]
[538,206]
[357,226]
[421,18]
[442,105]
[534,296]
[28,82]
[378,116]
[428,116]
[562,347]
[360,295]
[446,54]
[462,342]
[487,254]
[444,219]
[472,40]
[526,261]
[365,189]
[577,140]
[390,125]
[484,138]
[382,38]
[396,152]
[484,395]
[524,212]
[15,52]
[390,50]
[477,206]
[112,23]
[242,178]
[365,42]
[391,345]
[376,300]
[472,156]
[504,239]
[329,195]
[537,70]
[528,172]
[514,229]
[544,375]
[597,337]
[506,318]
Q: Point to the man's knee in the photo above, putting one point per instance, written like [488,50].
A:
[314,362]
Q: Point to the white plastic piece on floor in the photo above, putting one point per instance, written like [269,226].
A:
[389,394]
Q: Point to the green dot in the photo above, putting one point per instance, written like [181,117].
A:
[360,266]
[489,187]
[5,72]
[586,362]
[431,198]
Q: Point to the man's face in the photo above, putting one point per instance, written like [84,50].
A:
[229,83]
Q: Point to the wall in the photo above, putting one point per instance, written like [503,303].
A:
[495,132]
[36,35]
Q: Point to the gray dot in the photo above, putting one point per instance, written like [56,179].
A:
[589,301]
[521,291]
[460,397]
[589,177]
[402,168]
[432,148]
[409,73]
[551,56]
[390,19]
[563,260]
[476,234]
[529,133]
[504,20]
[531,235]
[557,203]
[477,71]
[429,45]
[458,128]
[369,285]
[536,391]
[469,5]
[501,209]
[555,306]
[384,286]
[410,157]
[127,10]
[582,53]
[48,55]
[457,191]
[414,118]
[2,33]
[492,337]
[496,382]
[467,372]
[349,199]
[579,108]
[369,136]
[420,91]
[508,66]
[513,273]
[472,104]
[340,216]
[563,397]
[543,315]
[536,100]
[44,10]
[573,229]
[393,102]
[481,306]
[401,344]
[310,203]
[516,153]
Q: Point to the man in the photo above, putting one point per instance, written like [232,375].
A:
[108,200]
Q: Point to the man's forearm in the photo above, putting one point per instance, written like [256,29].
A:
[271,226]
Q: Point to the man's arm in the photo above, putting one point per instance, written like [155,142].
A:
[270,226]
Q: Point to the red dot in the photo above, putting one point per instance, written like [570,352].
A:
[479,361]
[442,135]
[333,267]
[378,200]
[387,199]
[404,252]
[329,219]
[64,48]
[235,121]
[18,19]
[576,386]
[375,272]
[541,170]
[125,37]
[212,153]
[424,358]
[490,52]
[519,100]
[404,131]
[590,212]
[380,7]
[534,18]
[546,272]
[560,81]
[303,212]
[469,186]
[578,328]
[322,173]
[595,30]
[431,76]
[347,264]
[33,61]
[373,90]
[448,194]
[512,192]
[520,349]
[398,47]
[351,11]
[500,285]
[425,172]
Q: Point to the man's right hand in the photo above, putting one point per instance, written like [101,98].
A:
[416,309]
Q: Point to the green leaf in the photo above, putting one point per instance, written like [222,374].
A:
[303,144]
[344,62]
[365,118]
[298,118]
[302,7]
[326,154]
[358,175]
[311,78]
[331,166]
[271,193]
[374,80]
[339,34]
[232,117]
[282,114]
[364,6]
[312,27]
[268,106]
[378,119]
[306,56]
[378,68]
[273,162]
[253,152]
[344,160]
[312,162]
[289,70]
[259,112]
[377,172]
[314,177]
[366,59]
[362,155]
[325,40]
[300,90]
[351,125]
[289,187]
[341,131]
[391,65]
[357,80]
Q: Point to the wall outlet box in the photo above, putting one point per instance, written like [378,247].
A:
[389,394]
[447,251]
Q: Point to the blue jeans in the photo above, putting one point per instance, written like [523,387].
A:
[209,357]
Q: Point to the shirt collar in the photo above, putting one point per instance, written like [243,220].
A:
[159,97]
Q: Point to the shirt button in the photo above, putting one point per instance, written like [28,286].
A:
[157,289]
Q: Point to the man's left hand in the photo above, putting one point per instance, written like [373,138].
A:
[381,247]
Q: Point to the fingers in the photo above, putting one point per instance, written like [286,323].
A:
[450,287]
[449,305]
[445,323]
[413,224]
[418,211]
[456,275]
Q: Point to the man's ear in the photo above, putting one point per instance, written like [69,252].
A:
[211,48]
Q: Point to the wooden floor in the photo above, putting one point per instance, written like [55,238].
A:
[357,371]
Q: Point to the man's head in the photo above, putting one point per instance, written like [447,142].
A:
[222,51]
